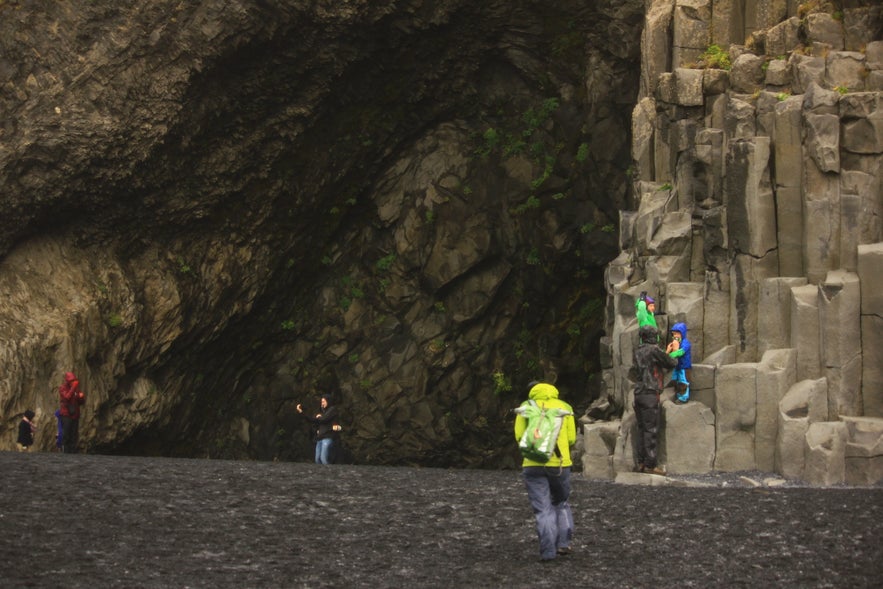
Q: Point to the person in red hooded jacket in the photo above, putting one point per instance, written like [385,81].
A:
[70,397]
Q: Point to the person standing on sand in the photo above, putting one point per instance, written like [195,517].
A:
[70,398]
[26,429]
[548,484]
[325,430]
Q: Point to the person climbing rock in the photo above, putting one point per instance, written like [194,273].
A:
[649,365]
[681,348]
[645,310]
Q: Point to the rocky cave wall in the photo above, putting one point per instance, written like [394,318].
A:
[758,149]
[215,210]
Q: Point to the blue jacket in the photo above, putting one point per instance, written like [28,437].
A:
[684,355]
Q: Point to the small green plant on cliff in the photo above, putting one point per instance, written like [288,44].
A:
[501,382]
[183,268]
[531,203]
[608,228]
[439,307]
[783,96]
[287,325]
[582,154]
[666,186]
[114,320]
[384,263]
[533,257]
[716,57]
[841,90]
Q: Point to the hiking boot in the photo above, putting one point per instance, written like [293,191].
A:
[655,470]
[564,550]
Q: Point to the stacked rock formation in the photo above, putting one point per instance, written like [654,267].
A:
[757,221]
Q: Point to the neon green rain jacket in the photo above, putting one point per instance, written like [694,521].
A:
[644,316]
[546,396]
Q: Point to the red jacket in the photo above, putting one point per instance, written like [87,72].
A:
[70,396]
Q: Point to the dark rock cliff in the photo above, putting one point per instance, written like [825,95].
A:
[214,211]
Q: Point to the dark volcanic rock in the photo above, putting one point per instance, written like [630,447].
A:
[213,211]
[98,521]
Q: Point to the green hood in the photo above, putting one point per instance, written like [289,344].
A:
[543,392]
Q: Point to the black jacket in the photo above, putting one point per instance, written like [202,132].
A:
[25,435]
[323,423]
[650,363]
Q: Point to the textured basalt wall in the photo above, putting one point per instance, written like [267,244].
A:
[212,211]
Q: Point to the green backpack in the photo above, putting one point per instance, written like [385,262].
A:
[540,439]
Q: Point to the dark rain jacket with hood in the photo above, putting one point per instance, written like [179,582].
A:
[684,354]
[650,362]
[546,396]
[324,422]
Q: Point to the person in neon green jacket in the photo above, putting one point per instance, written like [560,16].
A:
[645,311]
[548,485]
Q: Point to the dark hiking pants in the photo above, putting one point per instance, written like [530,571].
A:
[647,416]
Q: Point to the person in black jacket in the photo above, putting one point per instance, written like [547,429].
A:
[26,429]
[325,429]
[650,363]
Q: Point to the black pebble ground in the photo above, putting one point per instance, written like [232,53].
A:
[111,521]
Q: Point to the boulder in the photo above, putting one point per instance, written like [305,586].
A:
[782,38]
[862,115]
[870,273]
[655,44]
[776,374]
[805,402]
[845,69]
[806,70]
[599,443]
[687,440]
[778,74]
[823,140]
[788,156]
[774,305]
[821,218]
[702,386]
[746,74]
[826,453]
[735,417]
[692,19]
[841,346]
[860,214]
[805,330]
[864,450]
[821,27]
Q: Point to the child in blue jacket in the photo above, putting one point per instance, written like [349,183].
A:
[680,348]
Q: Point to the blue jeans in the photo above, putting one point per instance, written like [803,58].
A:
[323,451]
[548,489]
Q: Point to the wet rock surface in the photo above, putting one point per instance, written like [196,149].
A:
[101,521]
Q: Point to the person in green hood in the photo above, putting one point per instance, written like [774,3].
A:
[645,310]
[548,484]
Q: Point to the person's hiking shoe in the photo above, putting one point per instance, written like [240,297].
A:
[655,470]
[638,468]
[564,550]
